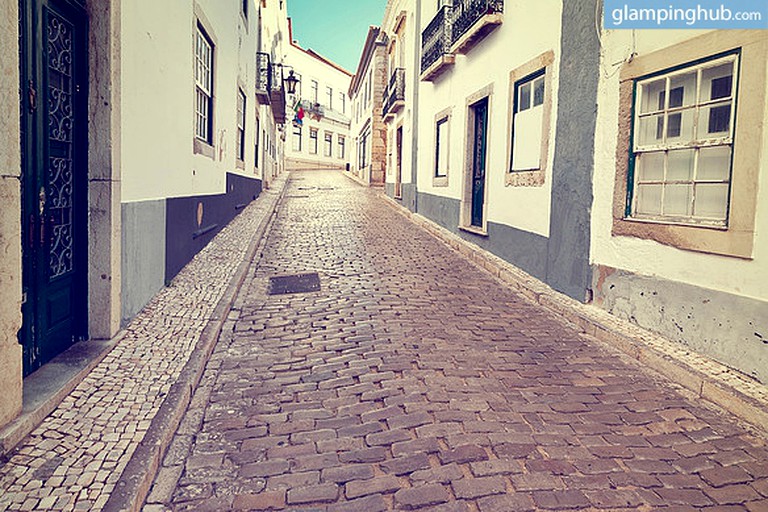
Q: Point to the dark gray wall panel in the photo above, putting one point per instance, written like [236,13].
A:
[143,254]
[729,328]
[568,268]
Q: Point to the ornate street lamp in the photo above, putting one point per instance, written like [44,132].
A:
[290,83]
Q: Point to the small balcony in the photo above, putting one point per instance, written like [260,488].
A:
[472,20]
[277,93]
[313,109]
[263,76]
[395,96]
[436,56]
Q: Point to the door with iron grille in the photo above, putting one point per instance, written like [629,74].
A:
[53,177]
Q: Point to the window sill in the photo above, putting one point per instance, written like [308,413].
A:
[533,178]
[240,164]
[203,148]
[440,181]
[474,230]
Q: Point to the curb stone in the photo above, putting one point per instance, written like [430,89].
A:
[706,378]
[135,483]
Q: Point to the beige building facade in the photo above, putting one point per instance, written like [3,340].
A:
[366,92]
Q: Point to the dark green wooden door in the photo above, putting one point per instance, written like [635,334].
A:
[54,177]
[480,114]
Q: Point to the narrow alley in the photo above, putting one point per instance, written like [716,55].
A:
[412,380]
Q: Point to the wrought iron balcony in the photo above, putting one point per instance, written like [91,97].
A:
[472,20]
[277,93]
[313,110]
[395,97]
[263,76]
[435,44]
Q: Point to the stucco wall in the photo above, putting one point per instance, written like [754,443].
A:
[158,121]
[143,255]
[526,32]
[714,304]
[568,269]
[10,226]
[728,327]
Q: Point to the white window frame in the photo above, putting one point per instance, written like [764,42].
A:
[241,105]
[204,68]
[696,143]
[528,122]
[328,144]
[342,146]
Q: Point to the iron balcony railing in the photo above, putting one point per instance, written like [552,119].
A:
[263,74]
[466,13]
[436,38]
[395,91]
[277,93]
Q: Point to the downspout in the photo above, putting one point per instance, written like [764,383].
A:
[415,106]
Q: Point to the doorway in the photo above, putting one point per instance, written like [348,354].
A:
[54,177]
[399,163]
[478,145]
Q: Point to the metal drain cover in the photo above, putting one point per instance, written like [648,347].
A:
[299,283]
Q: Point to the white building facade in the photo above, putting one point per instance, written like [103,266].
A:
[321,138]
[649,208]
[156,134]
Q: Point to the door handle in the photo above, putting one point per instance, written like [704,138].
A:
[32,93]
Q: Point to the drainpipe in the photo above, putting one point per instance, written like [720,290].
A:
[415,105]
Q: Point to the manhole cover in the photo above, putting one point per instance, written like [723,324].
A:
[299,283]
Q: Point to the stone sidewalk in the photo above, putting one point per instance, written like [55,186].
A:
[414,380]
[73,460]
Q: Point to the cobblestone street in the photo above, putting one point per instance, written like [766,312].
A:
[414,380]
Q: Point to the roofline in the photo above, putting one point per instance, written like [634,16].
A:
[365,57]
[313,53]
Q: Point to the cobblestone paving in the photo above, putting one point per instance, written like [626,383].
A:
[73,459]
[413,380]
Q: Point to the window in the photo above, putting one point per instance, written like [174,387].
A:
[441,148]
[683,129]
[313,141]
[528,123]
[714,222]
[329,94]
[314,91]
[328,147]
[244,8]
[203,86]
[256,145]
[297,138]
[363,150]
[240,124]
[343,102]
[342,141]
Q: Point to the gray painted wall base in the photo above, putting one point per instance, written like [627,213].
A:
[726,327]
[524,250]
[409,199]
[143,268]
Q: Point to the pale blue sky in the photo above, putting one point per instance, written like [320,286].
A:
[335,29]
